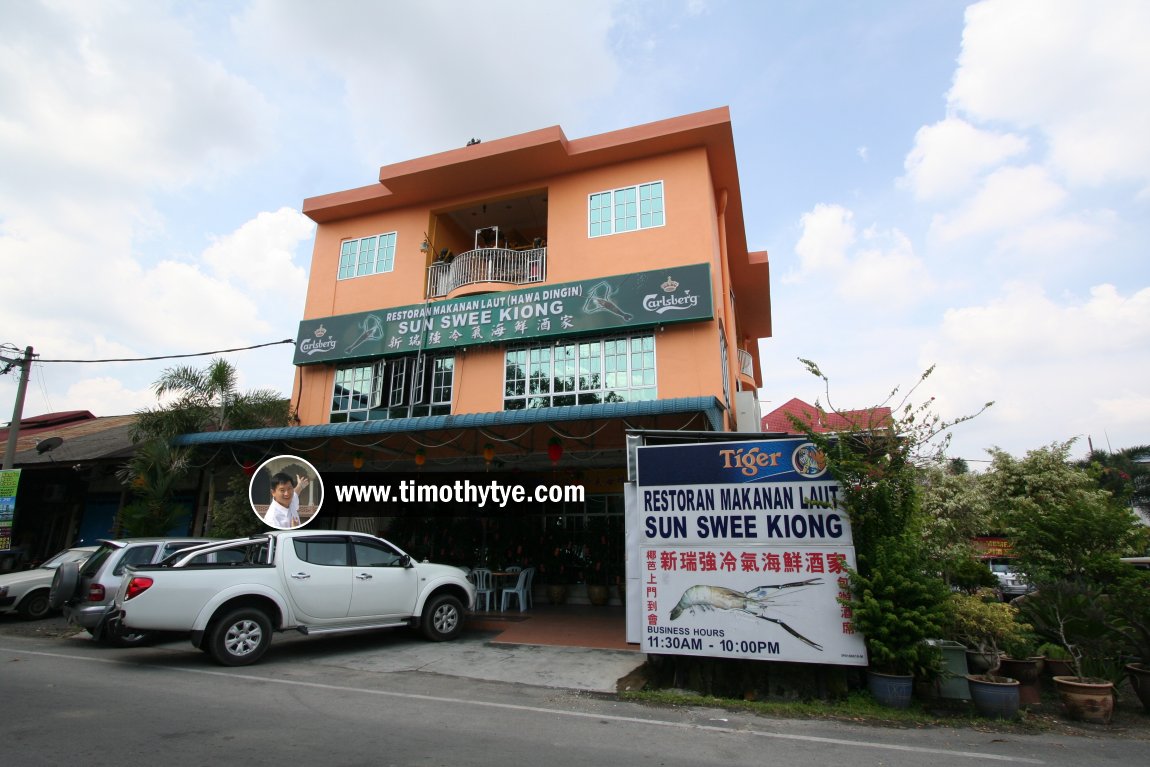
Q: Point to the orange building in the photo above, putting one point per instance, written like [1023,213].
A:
[515,305]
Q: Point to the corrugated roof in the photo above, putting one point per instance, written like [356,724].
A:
[708,405]
[84,440]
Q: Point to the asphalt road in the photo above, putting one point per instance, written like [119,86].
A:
[323,701]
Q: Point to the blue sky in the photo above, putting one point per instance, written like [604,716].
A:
[943,183]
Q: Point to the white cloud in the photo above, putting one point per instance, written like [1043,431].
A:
[1074,70]
[881,266]
[1056,369]
[1010,197]
[949,155]
[104,395]
[262,252]
[115,97]
[425,77]
[828,230]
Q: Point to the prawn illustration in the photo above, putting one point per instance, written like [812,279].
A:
[372,331]
[753,602]
[599,300]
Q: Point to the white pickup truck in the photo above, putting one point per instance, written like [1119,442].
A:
[231,595]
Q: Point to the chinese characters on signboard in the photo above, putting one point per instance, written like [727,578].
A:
[622,302]
[744,550]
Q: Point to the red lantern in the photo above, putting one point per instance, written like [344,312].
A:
[420,457]
[249,467]
[357,460]
[488,455]
[554,450]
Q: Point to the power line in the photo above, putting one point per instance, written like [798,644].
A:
[181,356]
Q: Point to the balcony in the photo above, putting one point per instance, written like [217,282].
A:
[500,265]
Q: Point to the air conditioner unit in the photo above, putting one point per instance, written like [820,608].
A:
[748,418]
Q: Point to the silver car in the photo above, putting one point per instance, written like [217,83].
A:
[26,592]
[85,593]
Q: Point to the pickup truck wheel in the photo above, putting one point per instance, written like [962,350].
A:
[240,638]
[115,635]
[442,618]
[35,606]
[64,583]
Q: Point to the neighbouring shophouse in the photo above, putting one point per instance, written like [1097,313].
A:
[504,312]
[67,492]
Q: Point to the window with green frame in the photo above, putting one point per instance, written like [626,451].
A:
[367,255]
[585,371]
[625,210]
[396,387]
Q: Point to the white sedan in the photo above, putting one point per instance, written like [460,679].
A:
[27,591]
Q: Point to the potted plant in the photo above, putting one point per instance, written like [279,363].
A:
[984,625]
[897,610]
[1077,616]
[1056,659]
[1127,597]
[1023,662]
[598,584]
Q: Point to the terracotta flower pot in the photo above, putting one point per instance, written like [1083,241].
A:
[1139,674]
[1028,672]
[1087,700]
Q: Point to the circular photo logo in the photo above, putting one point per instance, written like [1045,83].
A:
[809,461]
[286,492]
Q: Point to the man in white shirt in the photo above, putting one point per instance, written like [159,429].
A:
[284,510]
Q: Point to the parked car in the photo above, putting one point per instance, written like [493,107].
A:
[85,592]
[231,596]
[1010,583]
[26,592]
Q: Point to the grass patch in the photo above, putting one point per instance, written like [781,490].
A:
[858,708]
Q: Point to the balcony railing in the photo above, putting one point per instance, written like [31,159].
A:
[746,363]
[512,267]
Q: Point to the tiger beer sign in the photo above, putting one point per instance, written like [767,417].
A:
[743,549]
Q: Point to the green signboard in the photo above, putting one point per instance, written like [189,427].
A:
[9,482]
[623,302]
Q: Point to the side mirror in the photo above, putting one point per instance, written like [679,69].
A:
[405,560]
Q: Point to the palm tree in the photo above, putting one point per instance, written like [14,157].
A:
[207,400]
[199,400]
[1125,473]
[153,475]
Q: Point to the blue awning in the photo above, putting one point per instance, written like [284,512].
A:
[709,406]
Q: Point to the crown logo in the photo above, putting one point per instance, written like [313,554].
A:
[670,286]
[320,332]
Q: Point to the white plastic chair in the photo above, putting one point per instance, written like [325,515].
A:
[484,588]
[519,590]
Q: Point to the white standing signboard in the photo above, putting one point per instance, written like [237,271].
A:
[742,553]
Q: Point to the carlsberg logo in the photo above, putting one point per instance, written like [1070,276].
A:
[311,346]
[659,304]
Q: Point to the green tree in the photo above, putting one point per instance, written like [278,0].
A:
[956,509]
[199,400]
[232,515]
[898,597]
[153,475]
[1062,525]
[208,399]
[1124,473]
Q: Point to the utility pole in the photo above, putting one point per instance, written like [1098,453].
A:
[18,408]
